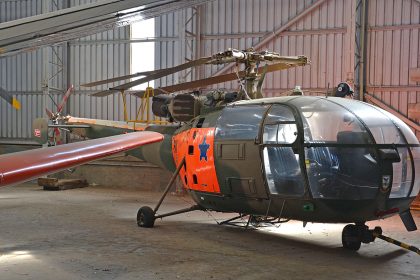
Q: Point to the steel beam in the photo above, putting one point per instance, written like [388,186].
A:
[55,27]
[125,41]
[373,88]
[414,111]
[361,49]
[394,27]
[388,108]
[285,33]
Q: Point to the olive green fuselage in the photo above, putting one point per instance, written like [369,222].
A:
[344,179]
[242,177]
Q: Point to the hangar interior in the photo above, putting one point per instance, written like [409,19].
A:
[326,31]
[48,45]
[377,52]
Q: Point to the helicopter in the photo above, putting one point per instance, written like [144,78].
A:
[318,159]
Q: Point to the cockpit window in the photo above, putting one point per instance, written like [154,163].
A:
[402,175]
[279,126]
[335,168]
[240,122]
[327,122]
[342,173]
[282,171]
[351,150]
[279,113]
[280,133]
[409,135]
[416,157]
[379,123]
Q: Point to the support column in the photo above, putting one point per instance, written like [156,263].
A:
[192,42]
[67,73]
[56,69]
[360,49]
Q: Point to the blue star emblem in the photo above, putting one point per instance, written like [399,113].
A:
[203,149]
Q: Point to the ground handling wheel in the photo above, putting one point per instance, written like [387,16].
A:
[145,217]
[351,237]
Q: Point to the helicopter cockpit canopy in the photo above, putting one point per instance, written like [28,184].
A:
[351,150]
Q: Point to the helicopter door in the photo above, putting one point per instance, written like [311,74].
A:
[237,156]
[281,158]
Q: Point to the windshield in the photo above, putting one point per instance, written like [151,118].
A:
[388,129]
[342,159]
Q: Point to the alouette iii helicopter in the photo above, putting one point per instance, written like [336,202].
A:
[316,159]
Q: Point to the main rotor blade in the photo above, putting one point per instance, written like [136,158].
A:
[223,78]
[163,73]
[286,62]
[104,93]
[49,113]
[20,167]
[156,91]
[121,78]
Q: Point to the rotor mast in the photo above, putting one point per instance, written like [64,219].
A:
[252,60]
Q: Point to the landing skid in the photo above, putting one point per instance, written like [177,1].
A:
[251,220]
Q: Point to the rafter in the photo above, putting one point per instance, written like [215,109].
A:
[388,108]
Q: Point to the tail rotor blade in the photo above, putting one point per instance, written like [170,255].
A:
[49,113]
[65,97]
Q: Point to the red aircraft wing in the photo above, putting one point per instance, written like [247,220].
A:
[19,167]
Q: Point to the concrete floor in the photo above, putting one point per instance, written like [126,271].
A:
[91,234]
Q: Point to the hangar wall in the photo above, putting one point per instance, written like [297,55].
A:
[20,75]
[319,29]
[324,30]
[27,75]
[393,49]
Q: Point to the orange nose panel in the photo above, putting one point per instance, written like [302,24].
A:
[197,145]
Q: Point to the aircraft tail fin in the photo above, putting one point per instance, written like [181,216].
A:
[10,99]
[15,103]
[40,130]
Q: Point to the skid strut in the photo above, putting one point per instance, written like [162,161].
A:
[377,232]
[146,216]
[168,187]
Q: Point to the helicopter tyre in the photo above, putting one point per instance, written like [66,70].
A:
[351,238]
[146,217]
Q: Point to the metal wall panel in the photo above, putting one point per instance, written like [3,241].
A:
[393,48]
[16,9]
[21,75]
[95,57]
[324,35]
